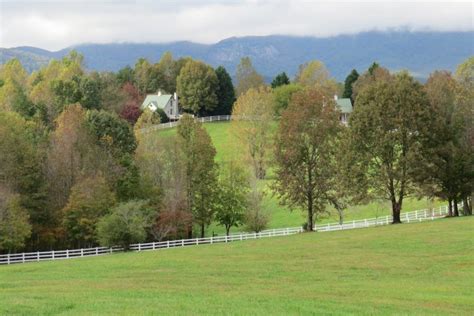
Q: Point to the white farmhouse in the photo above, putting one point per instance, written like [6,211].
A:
[166,102]
[345,106]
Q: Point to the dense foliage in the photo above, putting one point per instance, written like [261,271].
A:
[82,165]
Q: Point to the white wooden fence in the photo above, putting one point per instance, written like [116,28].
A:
[409,217]
[215,118]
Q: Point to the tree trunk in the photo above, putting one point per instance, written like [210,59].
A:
[310,216]
[466,208]
[227,230]
[456,211]
[450,207]
[202,231]
[396,208]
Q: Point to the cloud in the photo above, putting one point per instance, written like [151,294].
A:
[56,24]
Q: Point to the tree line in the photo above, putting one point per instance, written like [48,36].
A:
[77,170]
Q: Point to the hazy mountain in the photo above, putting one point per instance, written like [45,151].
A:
[419,52]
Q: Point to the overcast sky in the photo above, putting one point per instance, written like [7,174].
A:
[53,24]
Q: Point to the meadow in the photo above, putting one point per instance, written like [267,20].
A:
[423,268]
[280,216]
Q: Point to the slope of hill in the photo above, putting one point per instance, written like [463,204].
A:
[419,52]
[280,216]
[423,268]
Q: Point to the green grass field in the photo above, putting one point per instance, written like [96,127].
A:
[224,142]
[423,268]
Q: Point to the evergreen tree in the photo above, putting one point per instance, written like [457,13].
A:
[225,92]
[350,79]
[280,80]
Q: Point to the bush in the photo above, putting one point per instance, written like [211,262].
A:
[128,223]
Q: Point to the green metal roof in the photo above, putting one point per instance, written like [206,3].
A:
[345,105]
[159,101]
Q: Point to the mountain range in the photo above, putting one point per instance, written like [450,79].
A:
[418,52]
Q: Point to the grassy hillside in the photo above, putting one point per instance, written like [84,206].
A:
[226,148]
[423,268]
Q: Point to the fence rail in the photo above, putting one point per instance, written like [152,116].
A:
[409,217]
[215,118]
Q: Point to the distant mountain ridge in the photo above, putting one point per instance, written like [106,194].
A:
[419,52]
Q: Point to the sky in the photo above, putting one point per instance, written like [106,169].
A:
[54,24]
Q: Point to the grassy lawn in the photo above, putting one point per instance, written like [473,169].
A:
[281,216]
[423,268]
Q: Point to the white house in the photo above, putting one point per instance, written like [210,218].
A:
[167,102]
[345,105]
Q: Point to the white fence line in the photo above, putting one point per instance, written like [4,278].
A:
[215,118]
[409,217]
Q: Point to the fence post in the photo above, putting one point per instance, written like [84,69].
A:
[197,241]
[167,244]
[241,237]
[23,257]
[67,253]
[53,254]
[366,223]
[182,242]
[212,240]
[38,256]
[139,247]
[96,251]
[226,238]
[82,252]
[8,258]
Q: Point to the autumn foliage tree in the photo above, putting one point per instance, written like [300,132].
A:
[304,152]
[247,77]
[252,117]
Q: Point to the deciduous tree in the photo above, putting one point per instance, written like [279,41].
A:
[252,119]
[197,87]
[247,77]
[201,170]
[232,196]
[389,122]
[304,153]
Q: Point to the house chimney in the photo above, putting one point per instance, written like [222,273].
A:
[335,97]
[159,92]
[175,96]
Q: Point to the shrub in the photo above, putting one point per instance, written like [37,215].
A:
[126,224]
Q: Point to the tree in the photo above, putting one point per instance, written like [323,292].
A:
[465,98]
[312,73]
[282,96]
[14,223]
[201,170]
[247,77]
[304,152]
[280,80]
[232,198]
[112,132]
[225,92]
[131,112]
[90,200]
[350,79]
[197,86]
[125,75]
[126,224]
[22,145]
[251,124]
[256,218]
[374,74]
[389,122]
[444,163]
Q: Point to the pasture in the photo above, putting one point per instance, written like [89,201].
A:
[227,148]
[422,268]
